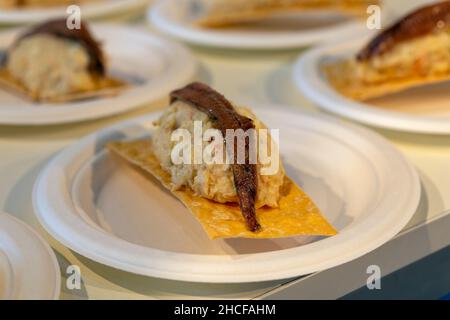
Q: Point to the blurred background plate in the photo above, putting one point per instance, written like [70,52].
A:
[113,214]
[28,266]
[95,9]
[151,65]
[422,109]
[176,17]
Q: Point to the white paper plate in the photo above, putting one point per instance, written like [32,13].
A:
[113,214]
[88,10]
[153,65]
[28,266]
[175,18]
[423,110]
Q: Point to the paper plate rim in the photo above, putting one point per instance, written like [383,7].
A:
[212,268]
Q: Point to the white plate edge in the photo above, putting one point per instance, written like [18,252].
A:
[201,278]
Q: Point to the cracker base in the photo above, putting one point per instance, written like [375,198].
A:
[296,214]
[341,76]
[107,87]
[220,20]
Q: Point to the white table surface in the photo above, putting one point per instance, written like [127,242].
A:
[249,77]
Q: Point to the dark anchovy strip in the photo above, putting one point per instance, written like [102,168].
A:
[58,28]
[432,18]
[224,117]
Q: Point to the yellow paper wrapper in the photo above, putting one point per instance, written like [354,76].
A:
[106,87]
[342,77]
[296,215]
